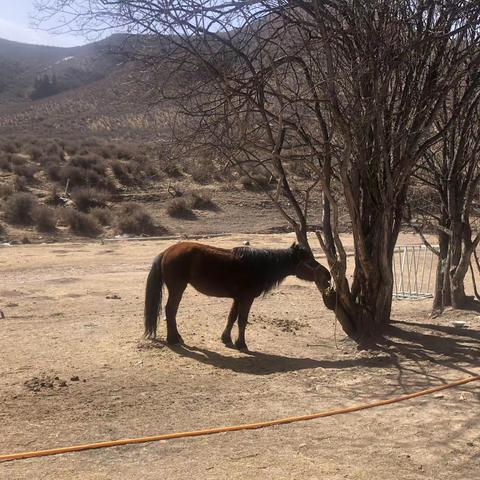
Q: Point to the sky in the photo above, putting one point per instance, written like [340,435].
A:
[15,24]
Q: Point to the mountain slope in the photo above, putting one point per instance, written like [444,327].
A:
[24,67]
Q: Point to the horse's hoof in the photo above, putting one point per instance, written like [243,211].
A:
[242,346]
[227,341]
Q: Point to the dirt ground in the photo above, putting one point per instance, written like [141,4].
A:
[74,369]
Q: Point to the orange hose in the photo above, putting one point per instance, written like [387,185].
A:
[233,428]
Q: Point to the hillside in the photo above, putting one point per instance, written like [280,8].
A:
[93,146]
[23,67]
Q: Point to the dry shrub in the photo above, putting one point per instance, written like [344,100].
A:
[20,184]
[26,171]
[172,170]
[202,171]
[103,215]
[133,218]
[256,182]
[5,162]
[19,208]
[45,218]
[6,190]
[56,150]
[81,223]
[76,176]
[121,170]
[36,153]
[202,200]
[72,148]
[89,162]
[87,198]
[80,177]
[46,160]
[10,147]
[180,208]
[52,169]
[3,231]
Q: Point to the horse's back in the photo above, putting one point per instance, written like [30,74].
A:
[211,270]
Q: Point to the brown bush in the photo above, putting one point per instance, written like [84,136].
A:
[81,223]
[26,171]
[36,153]
[76,176]
[202,200]
[180,208]
[20,184]
[56,150]
[6,190]
[257,182]
[121,170]
[19,208]
[89,162]
[10,147]
[202,171]
[52,169]
[133,218]
[45,218]
[87,198]
[103,215]
[6,162]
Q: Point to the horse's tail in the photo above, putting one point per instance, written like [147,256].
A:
[153,297]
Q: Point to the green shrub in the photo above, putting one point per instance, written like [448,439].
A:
[133,218]
[19,208]
[81,223]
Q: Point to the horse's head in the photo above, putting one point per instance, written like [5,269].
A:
[307,268]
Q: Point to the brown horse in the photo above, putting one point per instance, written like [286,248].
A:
[242,273]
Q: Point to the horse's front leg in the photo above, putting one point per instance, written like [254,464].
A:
[243,311]
[232,317]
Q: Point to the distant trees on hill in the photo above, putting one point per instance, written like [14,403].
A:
[44,86]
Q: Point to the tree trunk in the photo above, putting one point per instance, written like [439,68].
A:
[439,294]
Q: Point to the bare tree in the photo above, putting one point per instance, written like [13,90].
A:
[351,89]
[451,171]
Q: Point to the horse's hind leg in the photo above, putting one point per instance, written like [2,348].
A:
[243,311]
[174,297]
[232,317]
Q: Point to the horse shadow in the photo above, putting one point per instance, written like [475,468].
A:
[261,363]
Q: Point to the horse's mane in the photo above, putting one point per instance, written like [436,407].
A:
[269,265]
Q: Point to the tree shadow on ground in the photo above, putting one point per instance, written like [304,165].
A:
[414,346]
[260,363]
